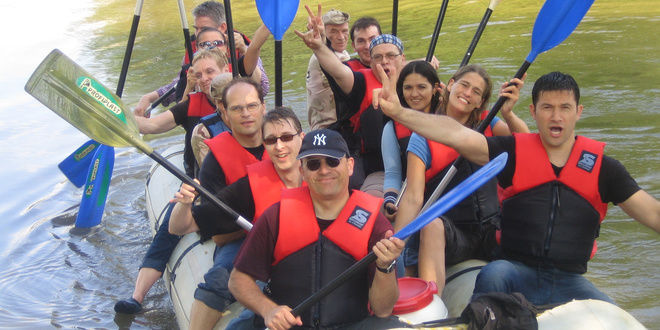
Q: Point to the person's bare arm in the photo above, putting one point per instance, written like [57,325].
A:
[144,103]
[512,123]
[181,219]
[246,291]
[254,49]
[161,123]
[384,290]
[413,197]
[341,73]
[471,144]
[644,208]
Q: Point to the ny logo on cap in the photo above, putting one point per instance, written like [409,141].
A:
[319,139]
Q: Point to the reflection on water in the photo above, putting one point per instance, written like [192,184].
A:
[52,275]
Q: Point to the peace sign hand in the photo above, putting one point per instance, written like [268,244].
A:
[386,98]
[313,37]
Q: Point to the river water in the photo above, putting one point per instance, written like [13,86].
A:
[52,275]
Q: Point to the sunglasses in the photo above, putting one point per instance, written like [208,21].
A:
[315,163]
[283,137]
[211,44]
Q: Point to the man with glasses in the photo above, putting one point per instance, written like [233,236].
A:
[358,122]
[320,101]
[249,196]
[313,234]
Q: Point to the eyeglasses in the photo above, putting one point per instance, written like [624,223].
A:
[379,57]
[211,44]
[315,163]
[251,107]
[283,137]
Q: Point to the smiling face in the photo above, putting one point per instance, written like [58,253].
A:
[327,183]
[205,70]
[556,113]
[465,95]
[337,34]
[213,37]
[244,111]
[283,153]
[417,91]
[389,57]
[361,40]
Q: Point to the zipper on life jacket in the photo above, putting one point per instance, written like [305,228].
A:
[553,214]
[316,314]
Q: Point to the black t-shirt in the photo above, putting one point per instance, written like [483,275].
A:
[614,182]
[180,113]
[212,177]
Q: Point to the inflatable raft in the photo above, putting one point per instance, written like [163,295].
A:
[191,260]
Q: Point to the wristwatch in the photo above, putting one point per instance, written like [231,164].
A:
[388,269]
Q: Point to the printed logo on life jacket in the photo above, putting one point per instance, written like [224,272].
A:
[359,217]
[587,161]
[319,139]
[101,95]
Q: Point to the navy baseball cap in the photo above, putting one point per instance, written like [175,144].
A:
[323,142]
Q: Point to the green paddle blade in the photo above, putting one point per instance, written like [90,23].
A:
[72,93]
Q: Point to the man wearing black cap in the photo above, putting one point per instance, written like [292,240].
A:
[310,237]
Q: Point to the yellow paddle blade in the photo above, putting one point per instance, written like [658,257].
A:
[72,93]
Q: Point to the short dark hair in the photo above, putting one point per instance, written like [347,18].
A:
[241,80]
[207,29]
[281,114]
[426,70]
[363,23]
[555,81]
[211,9]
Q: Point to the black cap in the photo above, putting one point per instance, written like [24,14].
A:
[323,142]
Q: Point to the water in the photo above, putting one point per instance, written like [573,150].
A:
[55,276]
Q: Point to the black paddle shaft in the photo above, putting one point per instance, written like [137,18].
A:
[185,178]
[395,16]
[436,31]
[278,73]
[477,36]
[230,36]
[127,55]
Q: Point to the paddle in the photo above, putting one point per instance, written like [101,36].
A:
[186,32]
[76,165]
[436,31]
[554,23]
[96,189]
[480,30]
[395,16]
[277,15]
[230,36]
[72,93]
[465,188]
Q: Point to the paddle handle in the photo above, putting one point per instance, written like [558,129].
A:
[395,16]
[436,31]
[481,129]
[278,73]
[230,36]
[160,99]
[477,36]
[186,32]
[242,222]
[129,48]
[338,281]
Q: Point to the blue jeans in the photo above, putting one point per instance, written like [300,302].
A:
[162,245]
[539,285]
[214,291]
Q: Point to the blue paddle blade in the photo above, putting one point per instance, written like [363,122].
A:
[75,166]
[460,192]
[555,22]
[277,15]
[96,188]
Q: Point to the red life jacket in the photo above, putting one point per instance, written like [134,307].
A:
[356,65]
[350,231]
[232,157]
[265,184]
[371,82]
[199,105]
[553,219]
[442,155]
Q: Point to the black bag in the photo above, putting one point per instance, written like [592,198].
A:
[498,310]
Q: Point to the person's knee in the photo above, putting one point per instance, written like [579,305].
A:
[495,276]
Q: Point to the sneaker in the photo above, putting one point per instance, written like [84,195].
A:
[128,306]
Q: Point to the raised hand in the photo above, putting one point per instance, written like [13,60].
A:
[511,90]
[386,98]
[313,37]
